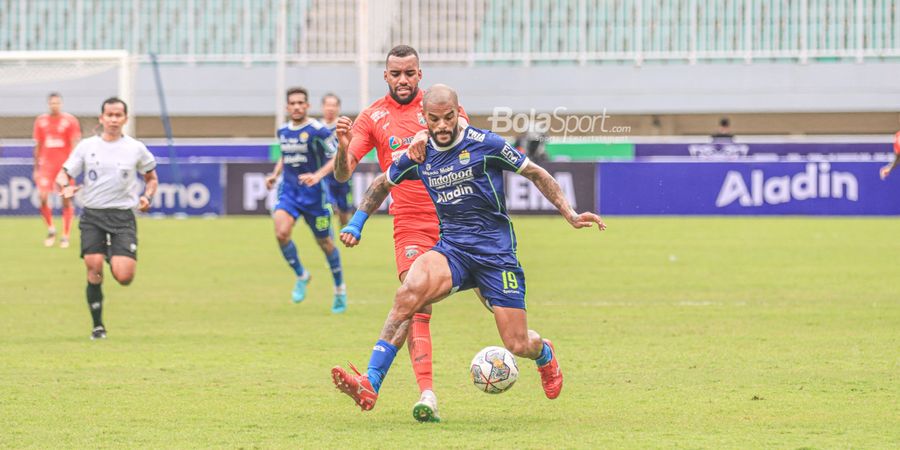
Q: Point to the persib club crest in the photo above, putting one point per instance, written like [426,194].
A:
[464,157]
[304,136]
[394,142]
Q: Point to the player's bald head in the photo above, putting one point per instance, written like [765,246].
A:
[440,95]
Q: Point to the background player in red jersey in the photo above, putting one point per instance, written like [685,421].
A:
[389,125]
[55,135]
[886,170]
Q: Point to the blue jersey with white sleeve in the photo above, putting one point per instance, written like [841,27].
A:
[304,149]
[465,182]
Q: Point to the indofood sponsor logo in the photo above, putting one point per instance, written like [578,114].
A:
[817,181]
[450,179]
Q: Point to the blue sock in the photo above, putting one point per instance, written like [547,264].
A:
[546,355]
[382,357]
[290,255]
[334,260]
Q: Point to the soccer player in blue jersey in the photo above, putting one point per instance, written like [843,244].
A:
[306,146]
[340,195]
[463,174]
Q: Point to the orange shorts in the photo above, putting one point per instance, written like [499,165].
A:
[46,175]
[413,236]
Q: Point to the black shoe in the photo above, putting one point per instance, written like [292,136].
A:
[98,333]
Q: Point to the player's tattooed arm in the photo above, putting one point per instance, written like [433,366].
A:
[375,195]
[551,190]
[344,162]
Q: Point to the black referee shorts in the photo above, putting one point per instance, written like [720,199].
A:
[110,232]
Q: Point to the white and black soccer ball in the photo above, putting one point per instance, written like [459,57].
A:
[494,370]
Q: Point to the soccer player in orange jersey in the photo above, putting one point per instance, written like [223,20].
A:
[886,170]
[389,125]
[55,135]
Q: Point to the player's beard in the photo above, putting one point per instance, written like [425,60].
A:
[454,133]
[407,100]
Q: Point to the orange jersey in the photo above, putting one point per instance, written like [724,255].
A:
[57,136]
[389,127]
[897,143]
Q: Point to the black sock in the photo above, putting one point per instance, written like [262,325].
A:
[95,303]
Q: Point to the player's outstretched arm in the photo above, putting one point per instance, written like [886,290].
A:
[551,190]
[372,199]
[344,162]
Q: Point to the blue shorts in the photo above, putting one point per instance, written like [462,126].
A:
[339,194]
[316,215]
[500,278]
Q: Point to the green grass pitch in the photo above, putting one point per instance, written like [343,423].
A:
[675,332]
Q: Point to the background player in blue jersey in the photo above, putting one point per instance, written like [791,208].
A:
[340,195]
[306,146]
[463,174]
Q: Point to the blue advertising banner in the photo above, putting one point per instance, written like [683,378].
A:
[729,150]
[746,188]
[191,189]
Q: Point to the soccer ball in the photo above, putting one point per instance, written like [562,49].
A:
[494,370]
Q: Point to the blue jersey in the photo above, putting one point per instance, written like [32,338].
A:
[304,149]
[465,182]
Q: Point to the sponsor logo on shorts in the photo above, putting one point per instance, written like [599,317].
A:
[412,251]
[132,247]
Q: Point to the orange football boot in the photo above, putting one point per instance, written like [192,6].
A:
[358,386]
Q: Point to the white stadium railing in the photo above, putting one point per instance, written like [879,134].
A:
[460,31]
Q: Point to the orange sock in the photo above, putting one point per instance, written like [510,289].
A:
[67,214]
[47,214]
[420,350]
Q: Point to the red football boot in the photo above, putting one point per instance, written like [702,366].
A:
[358,386]
[551,376]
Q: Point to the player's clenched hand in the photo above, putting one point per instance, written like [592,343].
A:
[69,191]
[342,131]
[309,179]
[416,149]
[885,171]
[349,240]
[587,220]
